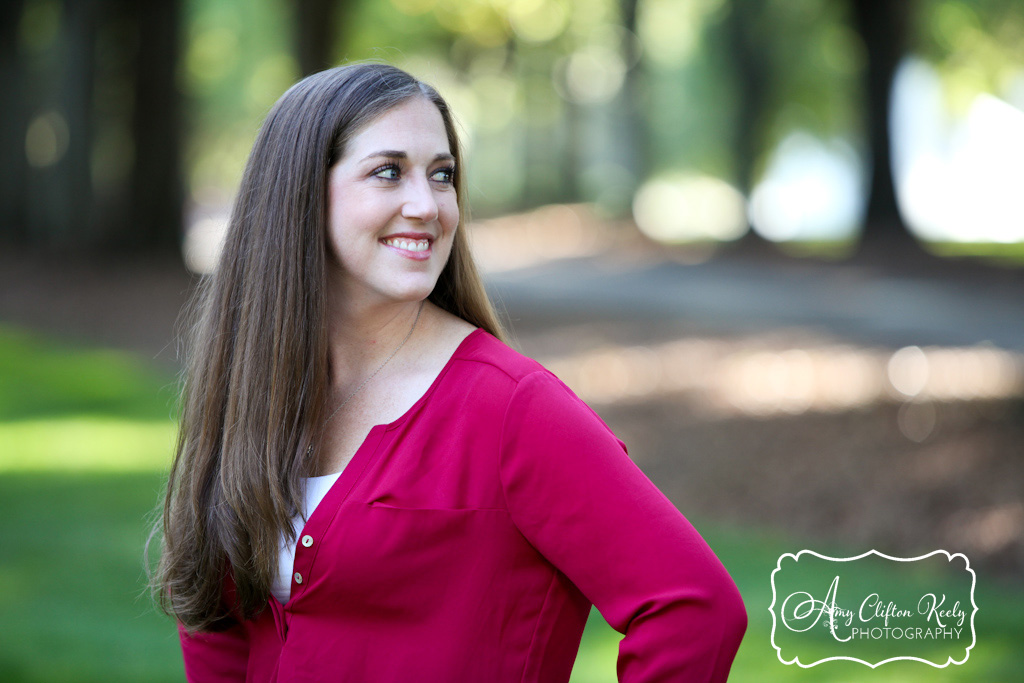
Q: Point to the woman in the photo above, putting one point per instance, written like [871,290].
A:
[369,485]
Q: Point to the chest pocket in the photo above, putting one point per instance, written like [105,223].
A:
[412,562]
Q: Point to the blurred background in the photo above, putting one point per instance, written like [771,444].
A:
[776,244]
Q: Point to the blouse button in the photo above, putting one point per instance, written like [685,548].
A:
[307,540]
[298,577]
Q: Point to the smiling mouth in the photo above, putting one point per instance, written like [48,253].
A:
[407,244]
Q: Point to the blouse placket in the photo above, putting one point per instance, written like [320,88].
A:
[325,516]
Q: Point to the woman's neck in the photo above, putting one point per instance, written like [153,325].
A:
[361,337]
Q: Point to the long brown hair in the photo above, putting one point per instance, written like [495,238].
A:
[256,378]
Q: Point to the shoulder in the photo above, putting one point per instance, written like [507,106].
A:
[476,348]
[488,355]
[502,385]
[530,390]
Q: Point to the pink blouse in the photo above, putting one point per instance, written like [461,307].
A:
[466,541]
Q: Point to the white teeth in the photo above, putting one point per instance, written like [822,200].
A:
[408,245]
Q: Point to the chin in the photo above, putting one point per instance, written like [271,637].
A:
[413,293]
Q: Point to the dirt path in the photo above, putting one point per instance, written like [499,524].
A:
[850,475]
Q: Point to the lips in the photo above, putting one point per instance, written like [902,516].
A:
[415,246]
[407,244]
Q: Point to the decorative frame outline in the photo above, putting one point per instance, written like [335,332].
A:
[949,557]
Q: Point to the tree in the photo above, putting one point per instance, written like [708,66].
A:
[750,53]
[49,201]
[632,98]
[764,74]
[884,28]
[751,64]
[156,194]
[13,125]
[316,32]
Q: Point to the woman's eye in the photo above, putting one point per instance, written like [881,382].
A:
[389,172]
[444,175]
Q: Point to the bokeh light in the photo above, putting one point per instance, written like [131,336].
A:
[958,179]
[758,378]
[689,207]
[46,139]
[811,190]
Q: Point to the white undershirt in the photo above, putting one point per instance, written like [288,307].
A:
[315,490]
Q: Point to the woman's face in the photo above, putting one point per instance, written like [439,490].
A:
[393,209]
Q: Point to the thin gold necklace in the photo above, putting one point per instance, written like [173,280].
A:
[373,374]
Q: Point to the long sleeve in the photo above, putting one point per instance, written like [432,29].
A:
[576,496]
[218,657]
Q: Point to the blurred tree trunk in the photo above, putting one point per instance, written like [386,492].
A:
[545,151]
[631,103]
[572,130]
[316,23]
[155,211]
[745,28]
[59,185]
[13,125]
[884,27]
[49,197]
[751,67]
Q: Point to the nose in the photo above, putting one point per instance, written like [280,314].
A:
[419,201]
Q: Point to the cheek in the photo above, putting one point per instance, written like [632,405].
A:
[351,215]
[449,213]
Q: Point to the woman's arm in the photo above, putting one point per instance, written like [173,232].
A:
[578,498]
[215,657]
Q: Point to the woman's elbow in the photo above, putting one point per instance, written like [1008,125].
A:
[729,611]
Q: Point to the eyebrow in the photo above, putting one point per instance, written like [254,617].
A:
[396,154]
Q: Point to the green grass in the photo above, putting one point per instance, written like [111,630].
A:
[72,581]
[85,437]
[1006,255]
[750,556]
[1011,255]
[42,379]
